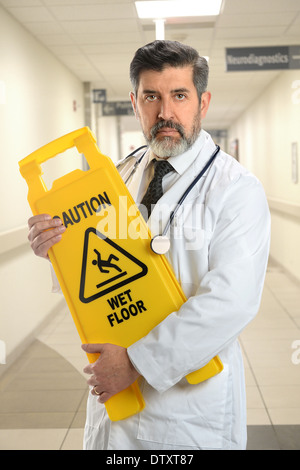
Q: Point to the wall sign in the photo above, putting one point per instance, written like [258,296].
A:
[262,58]
[99,96]
[117,108]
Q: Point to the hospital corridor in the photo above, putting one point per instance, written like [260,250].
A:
[64,66]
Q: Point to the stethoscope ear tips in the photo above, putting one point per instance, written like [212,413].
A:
[160,244]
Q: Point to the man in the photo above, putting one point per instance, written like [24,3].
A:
[219,251]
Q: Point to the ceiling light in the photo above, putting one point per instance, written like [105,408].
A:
[160,28]
[178,8]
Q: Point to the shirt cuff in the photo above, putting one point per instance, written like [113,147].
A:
[56,289]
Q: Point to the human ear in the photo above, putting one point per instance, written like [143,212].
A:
[205,100]
[133,102]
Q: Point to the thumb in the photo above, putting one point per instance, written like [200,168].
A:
[93,348]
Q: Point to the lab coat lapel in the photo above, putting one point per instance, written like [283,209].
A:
[134,182]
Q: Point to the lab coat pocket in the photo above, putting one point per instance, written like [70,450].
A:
[189,257]
[187,415]
[195,238]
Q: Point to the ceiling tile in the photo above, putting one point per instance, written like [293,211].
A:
[55,39]
[31,14]
[99,26]
[118,48]
[107,38]
[93,12]
[20,3]
[260,6]
[254,32]
[63,50]
[256,19]
[45,27]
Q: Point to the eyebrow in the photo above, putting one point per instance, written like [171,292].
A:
[177,90]
[149,91]
[180,90]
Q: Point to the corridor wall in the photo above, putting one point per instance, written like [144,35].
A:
[40,100]
[266,134]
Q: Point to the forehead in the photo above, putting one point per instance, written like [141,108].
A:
[170,78]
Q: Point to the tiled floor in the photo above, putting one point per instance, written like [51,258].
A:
[43,395]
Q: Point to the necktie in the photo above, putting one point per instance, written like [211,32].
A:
[154,191]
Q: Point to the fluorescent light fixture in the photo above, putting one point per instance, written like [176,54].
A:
[160,29]
[178,8]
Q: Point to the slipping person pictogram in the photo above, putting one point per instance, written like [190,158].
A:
[107,264]
[115,266]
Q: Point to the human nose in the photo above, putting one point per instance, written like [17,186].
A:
[166,110]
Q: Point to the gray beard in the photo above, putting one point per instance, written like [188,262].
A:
[168,147]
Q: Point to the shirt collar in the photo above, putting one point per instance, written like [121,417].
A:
[180,163]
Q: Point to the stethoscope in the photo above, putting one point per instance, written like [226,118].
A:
[160,244]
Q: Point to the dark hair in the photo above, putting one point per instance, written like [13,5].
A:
[159,54]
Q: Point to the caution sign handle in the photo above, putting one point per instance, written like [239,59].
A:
[30,167]
[55,147]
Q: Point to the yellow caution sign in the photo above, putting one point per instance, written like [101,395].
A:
[104,263]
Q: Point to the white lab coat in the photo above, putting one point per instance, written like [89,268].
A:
[219,251]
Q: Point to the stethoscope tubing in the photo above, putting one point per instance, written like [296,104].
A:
[188,190]
[136,163]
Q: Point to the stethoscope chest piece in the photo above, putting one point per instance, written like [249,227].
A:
[160,244]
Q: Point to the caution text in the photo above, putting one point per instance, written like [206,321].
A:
[84,209]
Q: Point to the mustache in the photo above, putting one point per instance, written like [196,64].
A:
[170,124]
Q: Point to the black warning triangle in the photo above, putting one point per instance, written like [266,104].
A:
[105,266]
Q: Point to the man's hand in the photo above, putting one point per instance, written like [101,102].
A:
[112,372]
[44,232]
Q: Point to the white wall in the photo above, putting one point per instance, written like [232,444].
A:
[117,136]
[131,141]
[265,133]
[108,137]
[37,108]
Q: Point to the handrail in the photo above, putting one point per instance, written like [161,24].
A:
[284,207]
[14,238]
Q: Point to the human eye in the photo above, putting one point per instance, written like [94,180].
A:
[180,96]
[150,98]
